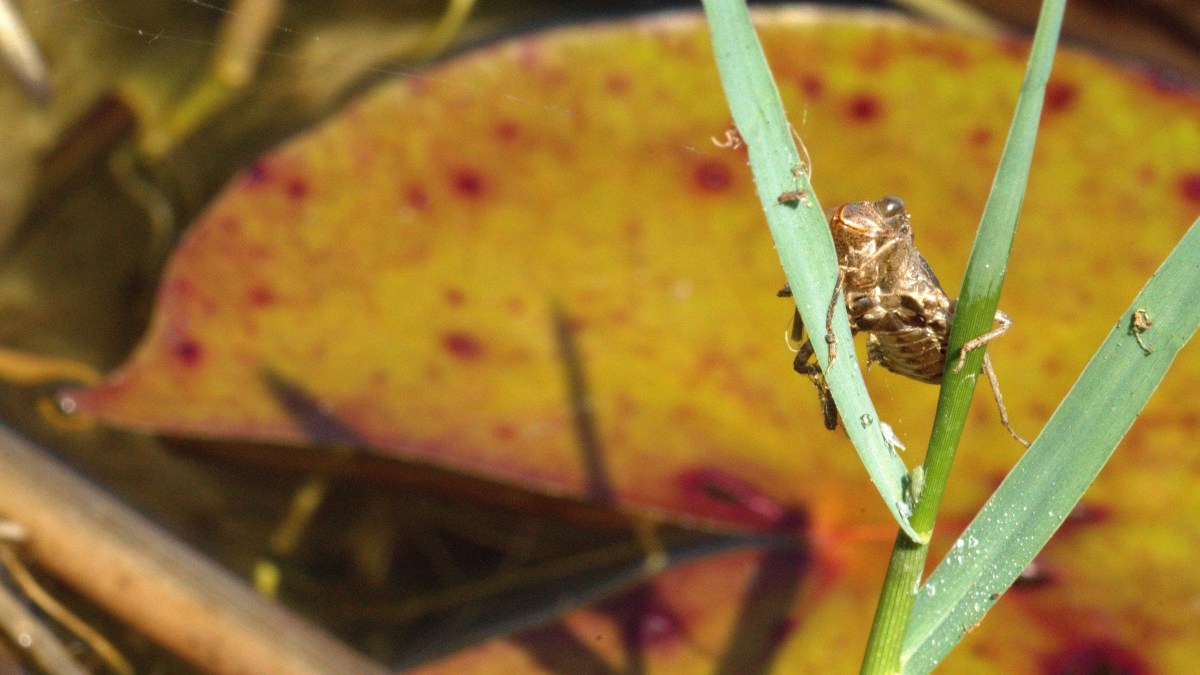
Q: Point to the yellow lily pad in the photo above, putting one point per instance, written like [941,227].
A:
[401,267]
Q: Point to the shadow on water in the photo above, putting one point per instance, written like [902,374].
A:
[618,583]
[764,621]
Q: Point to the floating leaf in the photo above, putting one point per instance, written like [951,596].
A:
[400,262]
[397,269]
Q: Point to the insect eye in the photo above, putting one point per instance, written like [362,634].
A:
[891,206]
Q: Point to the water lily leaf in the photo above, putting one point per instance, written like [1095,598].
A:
[417,268]
[400,264]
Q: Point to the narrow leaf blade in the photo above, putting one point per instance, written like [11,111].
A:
[1039,493]
[801,236]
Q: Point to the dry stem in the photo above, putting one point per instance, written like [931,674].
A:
[121,561]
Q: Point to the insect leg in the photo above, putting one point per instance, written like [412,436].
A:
[828,407]
[991,376]
[806,365]
[833,303]
[798,324]
[971,345]
[805,362]
[878,253]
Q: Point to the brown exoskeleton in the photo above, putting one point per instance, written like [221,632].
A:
[893,296]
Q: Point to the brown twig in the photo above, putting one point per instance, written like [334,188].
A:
[53,609]
[126,564]
[38,641]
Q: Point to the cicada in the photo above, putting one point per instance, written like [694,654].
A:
[893,296]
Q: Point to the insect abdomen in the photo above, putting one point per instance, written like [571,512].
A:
[913,352]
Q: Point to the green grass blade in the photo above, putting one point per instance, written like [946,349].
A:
[980,293]
[973,316]
[801,236]
[1050,479]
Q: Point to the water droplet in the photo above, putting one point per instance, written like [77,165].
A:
[866,420]
[890,436]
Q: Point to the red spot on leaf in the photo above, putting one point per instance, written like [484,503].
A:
[1095,657]
[258,173]
[684,413]
[454,297]
[507,131]
[260,296]
[183,292]
[297,188]
[530,55]
[875,56]
[1189,187]
[955,57]
[515,306]
[462,345]
[712,176]
[1188,421]
[1053,366]
[812,85]
[504,432]
[1060,96]
[468,183]
[1013,46]
[229,227]
[980,137]
[187,351]
[618,84]
[417,197]
[418,84]
[724,496]
[864,108]
[634,229]
[1038,410]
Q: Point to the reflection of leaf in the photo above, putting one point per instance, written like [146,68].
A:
[399,265]
[669,627]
